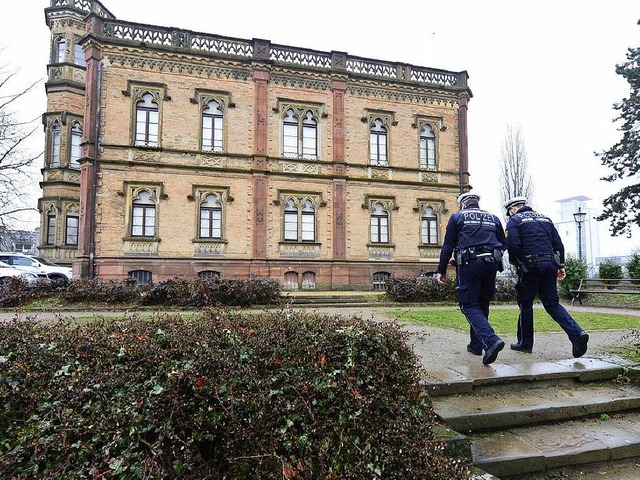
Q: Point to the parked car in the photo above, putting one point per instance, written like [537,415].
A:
[37,265]
[7,272]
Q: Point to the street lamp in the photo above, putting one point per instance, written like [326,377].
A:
[579,217]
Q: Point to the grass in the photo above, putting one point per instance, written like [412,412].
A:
[504,321]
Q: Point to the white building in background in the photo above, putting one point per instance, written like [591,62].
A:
[589,235]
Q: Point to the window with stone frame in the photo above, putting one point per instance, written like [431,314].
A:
[147,120]
[55,144]
[212,127]
[78,54]
[299,215]
[75,149]
[211,216]
[378,142]
[300,130]
[428,226]
[142,277]
[51,218]
[72,224]
[427,147]
[379,222]
[143,213]
[59,50]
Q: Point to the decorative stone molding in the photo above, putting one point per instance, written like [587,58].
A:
[299,250]
[381,251]
[426,176]
[300,167]
[201,247]
[210,161]
[429,251]
[380,173]
[141,247]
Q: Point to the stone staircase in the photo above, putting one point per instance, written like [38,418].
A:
[522,421]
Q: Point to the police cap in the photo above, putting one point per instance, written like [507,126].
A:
[468,196]
[513,201]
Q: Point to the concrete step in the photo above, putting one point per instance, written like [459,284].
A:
[523,450]
[626,469]
[467,378]
[527,404]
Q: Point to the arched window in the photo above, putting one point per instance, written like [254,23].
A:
[291,281]
[211,217]
[146,122]
[142,277]
[291,220]
[212,117]
[290,134]
[56,142]
[427,148]
[143,215]
[71,226]
[379,224]
[380,280]
[76,150]
[309,136]
[299,220]
[378,143]
[308,281]
[300,134]
[78,55]
[429,226]
[60,50]
[52,221]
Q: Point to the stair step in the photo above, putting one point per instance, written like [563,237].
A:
[626,469]
[526,404]
[522,450]
[467,378]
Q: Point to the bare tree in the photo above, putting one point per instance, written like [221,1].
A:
[515,180]
[15,160]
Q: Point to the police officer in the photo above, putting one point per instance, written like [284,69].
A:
[476,237]
[537,251]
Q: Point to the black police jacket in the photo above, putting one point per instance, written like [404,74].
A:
[471,227]
[530,232]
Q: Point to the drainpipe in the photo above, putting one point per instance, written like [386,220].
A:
[94,180]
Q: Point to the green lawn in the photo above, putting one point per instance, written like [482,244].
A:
[504,321]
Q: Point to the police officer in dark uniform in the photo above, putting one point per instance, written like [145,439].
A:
[476,238]
[537,251]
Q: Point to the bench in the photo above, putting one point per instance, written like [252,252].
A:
[605,286]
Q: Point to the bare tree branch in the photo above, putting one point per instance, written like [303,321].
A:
[515,180]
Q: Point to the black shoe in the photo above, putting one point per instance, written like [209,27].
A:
[491,353]
[580,344]
[475,352]
[518,347]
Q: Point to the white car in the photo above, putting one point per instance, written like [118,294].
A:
[7,272]
[41,267]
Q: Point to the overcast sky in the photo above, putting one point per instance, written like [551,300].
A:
[547,65]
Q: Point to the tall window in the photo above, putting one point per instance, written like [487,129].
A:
[60,51]
[379,224]
[211,217]
[378,143]
[78,55]
[300,134]
[143,215]
[76,149]
[147,122]
[71,230]
[427,148]
[56,137]
[51,227]
[299,220]
[429,227]
[212,127]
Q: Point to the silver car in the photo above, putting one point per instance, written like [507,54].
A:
[7,272]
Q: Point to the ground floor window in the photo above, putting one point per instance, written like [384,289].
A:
[142,277]
[380,280]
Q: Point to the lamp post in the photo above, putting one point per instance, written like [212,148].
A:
[579,217]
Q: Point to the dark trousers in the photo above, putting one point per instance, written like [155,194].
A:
[541,281]
[476,284]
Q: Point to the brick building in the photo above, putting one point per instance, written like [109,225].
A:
[171,152]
